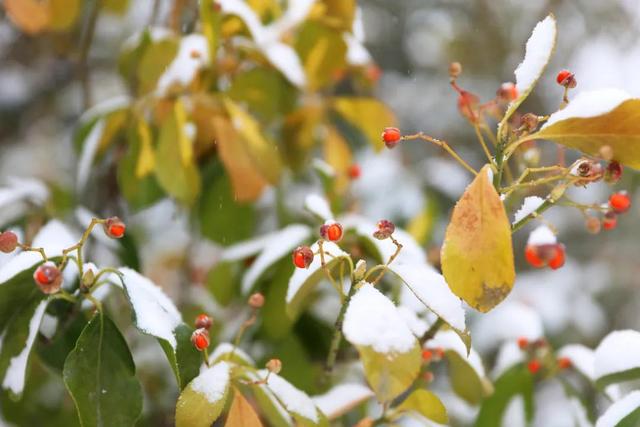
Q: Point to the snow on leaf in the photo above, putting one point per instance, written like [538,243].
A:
[617,358]
[224,349]
[246,248]
[589,104]
[431,289]
[508,355]
[17,193]
[279,244]
[582,359]
[373,320]
[529,205]
[212,382]
[625,412]
[203,400]
[295,401]
[155,314]
[542,235]
[88,153]
[449,340]
[341,399]
[186,64]
[319,206]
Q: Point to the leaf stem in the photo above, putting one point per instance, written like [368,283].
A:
[483,144]
[443,145]
[431,332]
[386,266]
[337,333]
[524,221]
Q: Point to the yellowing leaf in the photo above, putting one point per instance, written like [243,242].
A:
[338,154]
[242,413]
[477,255]
[146,158]
[618,128]
[339,13]
[368,115]
[63,13]
[31,16]
[322,51]
[390,374]
[119,7]
[203,400]
[154,61]
[426,404]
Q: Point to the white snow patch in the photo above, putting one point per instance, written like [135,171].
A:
[185,65]
[48,326]
[416,324]
[618,352]
[373,320]
[213,382]
[294,400]
[88,153]
[319,206]
[542,235]
[342,398]
[246,248]
[225,348]
[300,275]
[449,340]
[357,54]
[155,33]
[14,377]
[430,287]
[589,104]
[508,355]
[529,205]
[104,107]
[279,244]
[619,410]
[507,322]
[582,358]
[537,54]
[155,313]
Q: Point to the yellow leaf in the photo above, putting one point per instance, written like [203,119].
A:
[63,13]
[390,374]
[196,407]
[31,16]
[242,413]
[426,404]
[322,51]
[339,13]
[619,129]
[477,255]
[119,7]
[247,182]
[338,154]
[368,115]
[146,160]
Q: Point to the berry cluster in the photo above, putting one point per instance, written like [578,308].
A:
[540,358]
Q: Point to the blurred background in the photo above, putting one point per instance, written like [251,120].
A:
[412,42]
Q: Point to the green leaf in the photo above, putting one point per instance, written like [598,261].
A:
[265,91]
[210,21]
[477,253]
[389,375]
[63,14]
[322,51]
[517,381]
[426,404]
[465,381]
[100,375]
[153,62]
[340,13]
[617,358]
[203,400]
[272,410]
[55,352]
[622,413]
[176,170]
[118,7]
[222,281]
[368,115]
[617,128]
[185,360]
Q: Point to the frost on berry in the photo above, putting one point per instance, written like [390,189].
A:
[302,256]
[203,321]
[200,339]
[385,229]
[48,278]
[114,227]
[8,241]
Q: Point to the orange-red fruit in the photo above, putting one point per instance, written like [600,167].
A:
[114,227]
[200,339]
[558,258]
[8,242]
[391,137]
[523,343]
[534,366]
[256,300]
[564,363]
[331,231]
[427,355]
[539,256]
[302,256]
[507,91]
[610,221]
[468,106]
[48,278]
[620,202]
[373,73]
[354,171]
[439,352]
[385,229]
[532,257]
[203,321]
[566,78]
[613,172]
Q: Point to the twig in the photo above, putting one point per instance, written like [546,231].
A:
[524,221]
[337,333]
[432,331]
[483,143]
[443,145]
[386,266]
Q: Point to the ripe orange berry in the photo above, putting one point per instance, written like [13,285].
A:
[534,366]
[620,202]
[302,256]
[373,73]
[566,78]
[558,259]
[551,254]
[523,343]
[114,227]
[331,231]
[427,355]
[48,278]
[203,321]
[610,220]
[8,242]
[593,225]
[532,257]
[507,92]
[391,137]
[354,171]
[564,363]
[200,339]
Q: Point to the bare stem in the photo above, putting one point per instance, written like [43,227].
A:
[444,146]
[28,248]
[524,221]
[337,333]
[326,270]
[483,143]
[78,246]
[391,259]
[432,331]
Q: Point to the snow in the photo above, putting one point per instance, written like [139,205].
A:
[155,33]
[357,54]
[53,237]
[538,51]
[450,340]
[373,320]
[341,398]
[319,206]
[14,197]
[48,326]
[619,410]
[185,65]
[15,375]
[619,351]
[582,358]
[246,248]
[104,107]
[323,167]
[213,382]
[155,313]
[286,60]
[416,324]
[589,104]
[226,348]
[88,153]
[294,400]
[529,205]
[301,275]
[430,288]
[542,236]
[279,244]
[509,321]
[508,355]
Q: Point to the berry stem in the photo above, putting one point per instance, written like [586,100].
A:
[524,221]
[337,333]
[78,246]
[205,355]
[62,294]
[443,145]
[483,144]
[28,248]
[245,325]
[384,267]
[431,332]
[326,269]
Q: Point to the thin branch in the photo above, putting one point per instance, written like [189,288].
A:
[443,145]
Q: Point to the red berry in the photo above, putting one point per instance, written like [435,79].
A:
[373,73]
[564,363]
[200,339]
[507,91]
[523,343]
[558,259]
[8,242]
[385,229]
[302,256]
[613,173]
[48,278]
[354,171]
[468,106]
[534,366]
[532,257]
[566,78]
[203,321]
[620,202]
[331,231]
[114,227]
[427,355]
[391,137]
[256,300]
[610,220]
